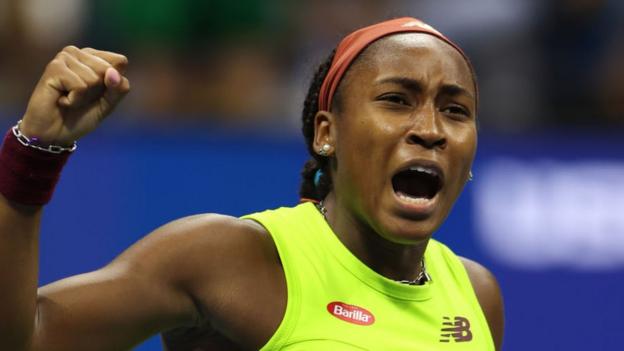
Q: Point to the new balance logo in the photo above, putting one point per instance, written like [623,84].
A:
[457,330]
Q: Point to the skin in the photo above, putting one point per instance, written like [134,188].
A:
[394,112]
[241,297]
[409,98]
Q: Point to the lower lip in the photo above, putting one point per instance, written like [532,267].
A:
[415,208]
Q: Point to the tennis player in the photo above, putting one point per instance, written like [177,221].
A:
[390,123]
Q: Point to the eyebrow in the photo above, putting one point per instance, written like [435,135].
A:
[416,86]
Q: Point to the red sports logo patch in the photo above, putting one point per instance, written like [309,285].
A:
[351,313]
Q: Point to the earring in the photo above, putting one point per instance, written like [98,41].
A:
[470,176]
[324,150]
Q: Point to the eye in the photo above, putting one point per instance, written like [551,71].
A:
[394,98]
[456,111]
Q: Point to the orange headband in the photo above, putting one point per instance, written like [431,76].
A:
[353,44]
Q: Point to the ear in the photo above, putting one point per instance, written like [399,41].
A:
[324,132]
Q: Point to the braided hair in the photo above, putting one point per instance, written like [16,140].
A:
[314,187]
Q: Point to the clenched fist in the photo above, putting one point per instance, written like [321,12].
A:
[77,90]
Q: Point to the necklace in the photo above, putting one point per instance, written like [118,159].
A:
[422,278]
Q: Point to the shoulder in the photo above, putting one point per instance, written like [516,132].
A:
[190,274]
[212,231]
[201,248]
[489,295]
[200,232]
[230,267]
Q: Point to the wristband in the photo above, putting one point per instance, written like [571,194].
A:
[28,172]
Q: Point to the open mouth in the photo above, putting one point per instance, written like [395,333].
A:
[417,183]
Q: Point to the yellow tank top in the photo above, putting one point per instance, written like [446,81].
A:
[336,302]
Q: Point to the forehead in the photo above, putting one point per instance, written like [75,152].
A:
[414,55]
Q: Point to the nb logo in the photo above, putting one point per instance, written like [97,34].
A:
[457,330]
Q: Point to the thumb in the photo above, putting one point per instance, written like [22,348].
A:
[112,78]
[117,86]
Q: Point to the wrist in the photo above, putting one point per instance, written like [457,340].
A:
[29,172]
[37,143]
[34,130]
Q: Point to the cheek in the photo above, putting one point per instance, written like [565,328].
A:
[470,142]
[362,143]
[370,137]
[463,148]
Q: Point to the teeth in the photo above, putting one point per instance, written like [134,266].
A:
[423,170]
[415,200]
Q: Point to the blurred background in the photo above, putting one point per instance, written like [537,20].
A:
[212,125]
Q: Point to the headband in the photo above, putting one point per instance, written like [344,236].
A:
[353,44]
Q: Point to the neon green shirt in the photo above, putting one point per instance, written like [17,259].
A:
[336,302]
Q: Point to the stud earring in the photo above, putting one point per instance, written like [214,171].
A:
[324,150]
[470,176]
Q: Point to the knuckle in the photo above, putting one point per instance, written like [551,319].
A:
[70,49]
[121,60]
[63,55]
[86,52]
[55,67]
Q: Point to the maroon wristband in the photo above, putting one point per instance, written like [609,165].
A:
[28,176]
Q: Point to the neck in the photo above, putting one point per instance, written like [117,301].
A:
[392,260]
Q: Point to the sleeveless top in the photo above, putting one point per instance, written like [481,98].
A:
[336,302]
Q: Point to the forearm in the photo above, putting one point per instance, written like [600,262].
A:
[19,257]
[115,307]
[28,175]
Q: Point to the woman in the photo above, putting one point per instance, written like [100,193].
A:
[390,121]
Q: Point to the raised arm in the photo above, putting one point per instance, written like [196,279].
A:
[126,301]
[195,274]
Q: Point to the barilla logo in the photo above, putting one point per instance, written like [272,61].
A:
[351,313]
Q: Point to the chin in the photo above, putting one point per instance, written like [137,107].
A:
[406,231]
[409,222]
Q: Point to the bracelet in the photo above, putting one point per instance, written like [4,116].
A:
[32,142]
[29,172]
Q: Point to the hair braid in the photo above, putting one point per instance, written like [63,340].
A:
[308,189]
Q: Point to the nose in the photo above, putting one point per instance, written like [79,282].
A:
[426,131]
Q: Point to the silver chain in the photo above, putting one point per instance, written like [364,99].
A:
[53,149]
[423,276]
